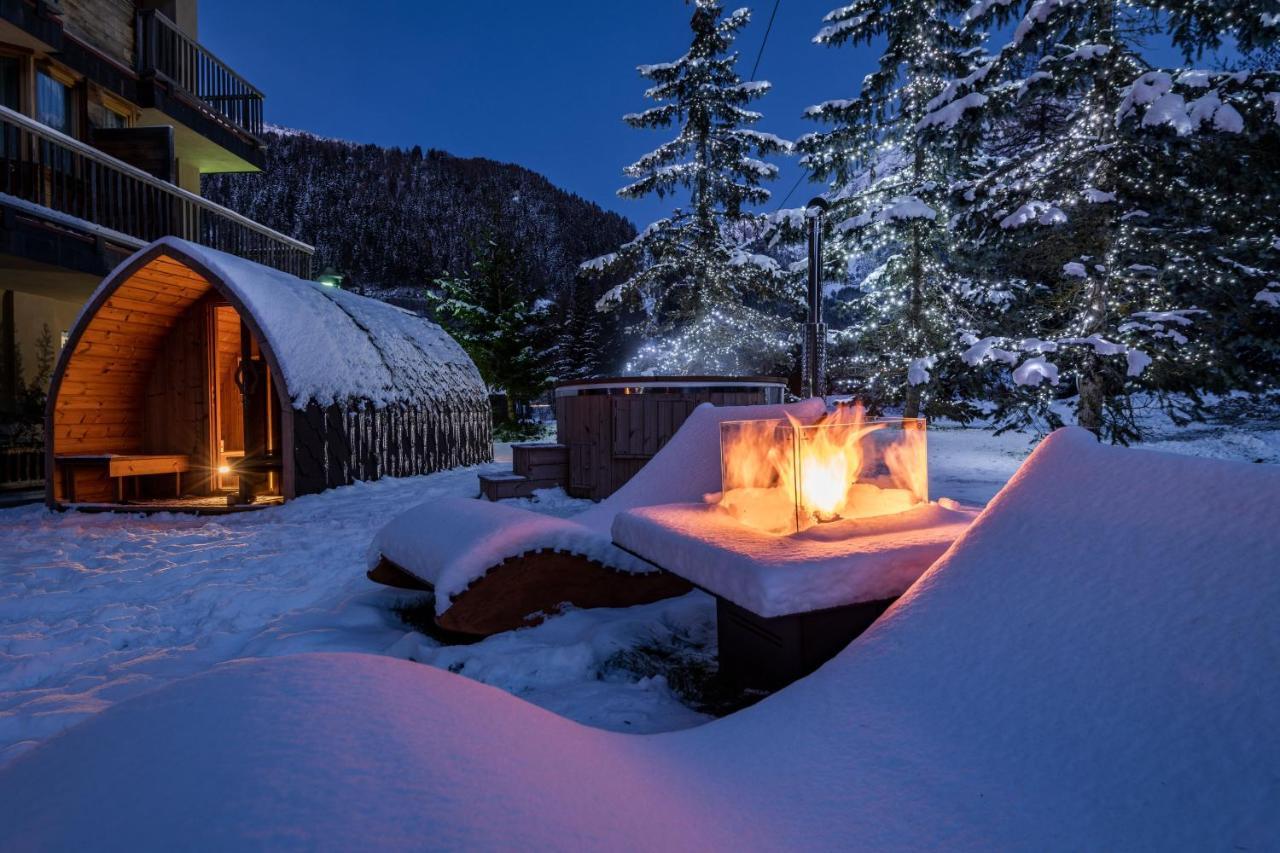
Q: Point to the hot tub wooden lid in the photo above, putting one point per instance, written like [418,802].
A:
[569,387]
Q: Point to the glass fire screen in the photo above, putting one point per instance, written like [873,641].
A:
[783,477]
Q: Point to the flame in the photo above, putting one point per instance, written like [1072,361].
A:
[783,476]
[906,457]
[830,460]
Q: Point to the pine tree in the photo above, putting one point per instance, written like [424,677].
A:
[578,344]
[1094,233]
[392,219]
[45,358]
[486,312]
[705,297]
[888,182]
[1224,253]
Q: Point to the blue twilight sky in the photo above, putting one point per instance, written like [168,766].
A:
[543,84]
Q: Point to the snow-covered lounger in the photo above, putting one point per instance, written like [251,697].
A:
[493,566]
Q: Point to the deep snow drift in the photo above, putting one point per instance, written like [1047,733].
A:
[1092,665]
[97,608]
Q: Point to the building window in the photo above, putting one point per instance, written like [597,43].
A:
[106,116]
[10,87]
[53,102]
[113,119]
[107,112]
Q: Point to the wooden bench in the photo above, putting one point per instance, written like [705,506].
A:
[119,466]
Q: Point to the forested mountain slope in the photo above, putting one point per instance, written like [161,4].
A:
[391,219]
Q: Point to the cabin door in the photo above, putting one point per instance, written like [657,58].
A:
[246,422]
[228,411]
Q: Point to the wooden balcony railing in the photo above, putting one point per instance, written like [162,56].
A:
[168,53]
[40,166]
[21,466]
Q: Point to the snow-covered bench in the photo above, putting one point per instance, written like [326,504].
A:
[1093,665]
[492,566]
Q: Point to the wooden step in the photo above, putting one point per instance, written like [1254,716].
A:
[541,461]
[495,487]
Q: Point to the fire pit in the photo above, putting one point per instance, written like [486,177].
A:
[782,476]
[818,528]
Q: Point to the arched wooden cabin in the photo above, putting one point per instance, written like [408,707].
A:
[193,376]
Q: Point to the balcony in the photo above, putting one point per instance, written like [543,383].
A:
[73,186]
[166,53]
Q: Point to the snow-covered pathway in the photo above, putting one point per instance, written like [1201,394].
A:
[96,608]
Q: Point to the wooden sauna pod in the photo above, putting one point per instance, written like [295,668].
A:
[611,427]
[192,375]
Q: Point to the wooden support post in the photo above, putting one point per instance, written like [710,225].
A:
[8,354]
[252,382]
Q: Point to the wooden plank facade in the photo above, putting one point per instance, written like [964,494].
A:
[106,25]
[612,427]
[336,446]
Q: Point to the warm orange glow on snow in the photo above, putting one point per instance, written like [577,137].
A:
[783,476]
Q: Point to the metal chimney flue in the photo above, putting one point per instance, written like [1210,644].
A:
[814,354]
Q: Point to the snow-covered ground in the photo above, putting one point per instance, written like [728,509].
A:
[97,608]
[1092,666]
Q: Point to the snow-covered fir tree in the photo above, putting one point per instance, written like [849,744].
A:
[888,182]
[1096,232]
[708,301]
[486,312]
[1224,253]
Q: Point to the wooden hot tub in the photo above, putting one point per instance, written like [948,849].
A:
[611,427]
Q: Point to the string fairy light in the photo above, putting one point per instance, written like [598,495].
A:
[1138,247]
[889,201]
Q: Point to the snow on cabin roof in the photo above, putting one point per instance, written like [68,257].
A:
[334,346]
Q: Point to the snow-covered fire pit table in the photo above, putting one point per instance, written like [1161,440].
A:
[785,604]
[792,590]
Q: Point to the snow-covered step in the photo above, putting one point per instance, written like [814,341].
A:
[496,487]
[535,466]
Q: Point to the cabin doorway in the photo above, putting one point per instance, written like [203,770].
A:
[167,407]
[244,417]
